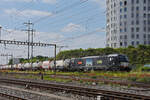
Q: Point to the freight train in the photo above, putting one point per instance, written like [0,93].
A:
[112,62]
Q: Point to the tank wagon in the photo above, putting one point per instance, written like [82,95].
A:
[112,62]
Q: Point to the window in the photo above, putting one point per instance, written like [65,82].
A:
[132,43]
[120,23]
[132,22]
[125,29]
[132,29]
[125,9]
[125,37]
[144,29]
[125,43]
[125,16]
[114,4]
[144,8]
[120,36]
[148,15]
[137,43]
[120,30]
[149,36]
[132,36]
[121,44]
[137,36]
[125,3]
[132,1]
[132,15]
[120,16]
[148,22]
[144,15]
[144,36]
[144,22]
[107,45]
[144,1]
[120,3]
[115,44]
[137,8]
[137,22]
[137,1]
[149,29]
[137,29]
[145,42]
[132,8]
[125,23]
[120,10]
[137,15]
[148,8]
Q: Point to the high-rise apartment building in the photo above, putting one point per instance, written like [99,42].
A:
[128,23]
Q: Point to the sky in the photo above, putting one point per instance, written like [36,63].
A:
[71,23]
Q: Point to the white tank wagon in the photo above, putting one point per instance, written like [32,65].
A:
[5,67]
[9,67]
[46,65]
[27,66]
[37,66]
[14,67]
[60,64]
[21,66]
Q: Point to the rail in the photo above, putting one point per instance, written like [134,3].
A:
[105,81]
[78,90]
[11,97]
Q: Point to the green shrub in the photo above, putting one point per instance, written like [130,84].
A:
[145,69]
[81,81]
[144,80]
[94,77]
[132,79]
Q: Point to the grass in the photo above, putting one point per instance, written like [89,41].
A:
[46,77]
[136,75]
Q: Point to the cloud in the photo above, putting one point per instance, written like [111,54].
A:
[27,13]
[27,1]
[11,34]
[21,51]
[72,28]
[90,41]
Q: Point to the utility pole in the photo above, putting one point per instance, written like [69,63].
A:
[29,30]
[60,47]
[0,32]
[55,60]
[12,61]
[32,47]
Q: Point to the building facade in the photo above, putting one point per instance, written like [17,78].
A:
[128,23]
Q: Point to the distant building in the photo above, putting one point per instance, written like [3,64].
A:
[128,23]
[16,60]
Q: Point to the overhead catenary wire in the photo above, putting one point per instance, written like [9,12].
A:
[76,23]
[19,13]
[82,35]
[61,10]
[72,16]
[80,21]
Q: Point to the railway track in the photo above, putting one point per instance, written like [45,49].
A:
[10,97]
[106,95]
[105,81]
